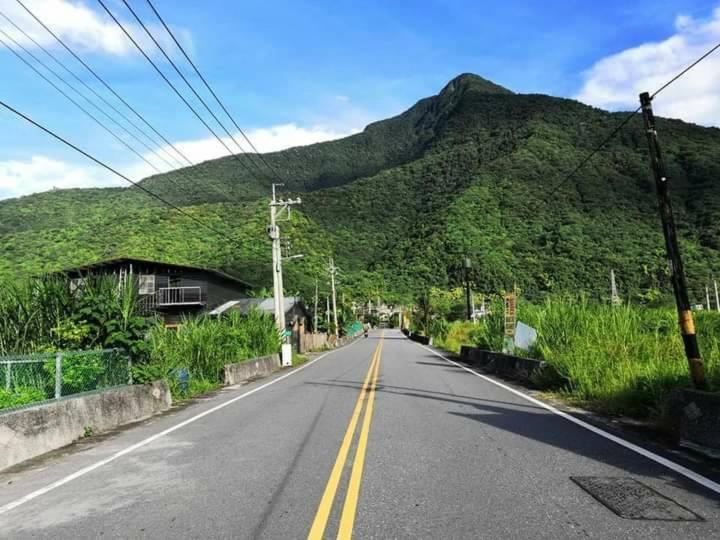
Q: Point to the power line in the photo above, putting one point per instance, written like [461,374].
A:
[182,76]
[190,86]
[90,102]
[207,85]
[83,109]
[182,172]
[88,87]
[684,71]
[170,84]
[101,80]
[119,174]
[627,119]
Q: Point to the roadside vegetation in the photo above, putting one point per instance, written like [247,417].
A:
[191,358]
[41,316]
[620,360]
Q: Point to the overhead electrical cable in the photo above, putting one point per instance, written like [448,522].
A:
[101,80]
[212,92]
[190,86]
[107,167]
[171,85]
[89,88]
[83,109]
[627,119]
[184,173]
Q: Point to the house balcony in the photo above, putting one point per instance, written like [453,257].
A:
[179,296]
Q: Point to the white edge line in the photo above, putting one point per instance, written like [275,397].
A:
[684,471]
[82,472]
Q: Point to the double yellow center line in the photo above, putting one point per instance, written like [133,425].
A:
[349,510]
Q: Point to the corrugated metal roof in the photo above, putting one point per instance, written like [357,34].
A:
[130,260]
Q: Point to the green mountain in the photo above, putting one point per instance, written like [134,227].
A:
[469,172]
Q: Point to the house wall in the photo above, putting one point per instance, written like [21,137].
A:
[220,291]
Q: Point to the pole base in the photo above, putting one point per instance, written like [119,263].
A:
[286,355]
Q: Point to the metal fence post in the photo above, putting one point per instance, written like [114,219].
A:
[130,378]
[8,375]
[58,375]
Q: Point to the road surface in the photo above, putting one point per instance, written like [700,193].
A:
[380,439]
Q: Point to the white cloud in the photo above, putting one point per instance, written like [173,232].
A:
[268,139]
[81,27]
[42,173]
[616,81]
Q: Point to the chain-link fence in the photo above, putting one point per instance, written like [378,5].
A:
[33,378]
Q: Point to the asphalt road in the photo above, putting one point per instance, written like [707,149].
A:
[380,439]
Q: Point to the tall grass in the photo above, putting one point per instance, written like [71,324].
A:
[43,314]
[620,360]
[204,345]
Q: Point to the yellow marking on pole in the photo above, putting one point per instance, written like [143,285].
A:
[347,519]
[687,324]
[323,512]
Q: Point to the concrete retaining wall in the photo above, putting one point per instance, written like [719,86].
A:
[28,433]
[251,369]
[693,417]
[515,367]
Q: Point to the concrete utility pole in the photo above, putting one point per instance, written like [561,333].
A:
[276,209]
[333,270]
[707,298]
[717,297]
[315,313]
[614,297]
[687,324]
[327,313]
[468,300]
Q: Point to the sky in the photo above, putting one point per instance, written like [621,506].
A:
[295,72]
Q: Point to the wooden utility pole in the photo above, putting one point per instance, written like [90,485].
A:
[687,324]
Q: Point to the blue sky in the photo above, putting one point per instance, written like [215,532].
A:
[298,71]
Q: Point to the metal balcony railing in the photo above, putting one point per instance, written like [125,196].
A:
[178,296]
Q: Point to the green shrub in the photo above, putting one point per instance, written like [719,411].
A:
[204,345]
[20,396]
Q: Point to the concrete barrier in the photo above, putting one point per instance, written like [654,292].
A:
[251,369]
[515,367]
[27,433]
[423,340]
[693,417]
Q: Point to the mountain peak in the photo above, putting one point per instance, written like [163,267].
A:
[470,81]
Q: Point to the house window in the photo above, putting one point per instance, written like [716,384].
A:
[146,283]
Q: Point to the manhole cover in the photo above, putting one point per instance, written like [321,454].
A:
[631,499]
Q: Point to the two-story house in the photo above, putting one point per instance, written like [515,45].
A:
[170,290]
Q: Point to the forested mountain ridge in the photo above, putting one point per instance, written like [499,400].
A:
[469,172]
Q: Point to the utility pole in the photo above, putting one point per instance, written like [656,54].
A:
[277,207]
[687,324]
[707,298]
[315,320]
[327,313]
[717,297]
[333,270]
[614,296]
[468,301]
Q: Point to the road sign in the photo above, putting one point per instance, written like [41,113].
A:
[510,314]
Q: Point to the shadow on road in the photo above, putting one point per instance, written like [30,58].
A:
[537,424]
